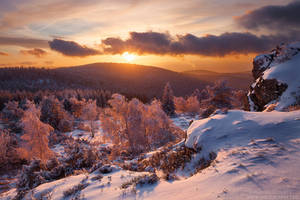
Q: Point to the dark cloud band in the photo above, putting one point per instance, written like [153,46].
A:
[165,44]
[274,18]
[70,48]
[281,22]
[210,45]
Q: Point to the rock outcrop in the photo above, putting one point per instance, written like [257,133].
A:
[277,79]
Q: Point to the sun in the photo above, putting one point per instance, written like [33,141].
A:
[128,57]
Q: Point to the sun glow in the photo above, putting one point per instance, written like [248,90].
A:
[128,57]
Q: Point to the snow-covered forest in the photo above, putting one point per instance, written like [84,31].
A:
[80,143]
[81,129]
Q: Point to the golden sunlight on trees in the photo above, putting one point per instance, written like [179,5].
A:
[53,113]
[137,127]
[190,105]
[35,135]
[89,113]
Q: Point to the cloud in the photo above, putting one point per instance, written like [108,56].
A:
[275,18]
[70,48]
[47,12]
[210,45]
[3,53]
[35,52]
[49,62]
[144,42]
[280,24]
[23,42]
[28,63]
[33,12]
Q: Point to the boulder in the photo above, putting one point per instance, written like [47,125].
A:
[277,79]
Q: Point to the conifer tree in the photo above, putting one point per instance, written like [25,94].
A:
[168,100]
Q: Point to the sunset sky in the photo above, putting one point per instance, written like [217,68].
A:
[217,35]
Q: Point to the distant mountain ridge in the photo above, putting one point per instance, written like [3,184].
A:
[238,80]
[131,78]
[117,77]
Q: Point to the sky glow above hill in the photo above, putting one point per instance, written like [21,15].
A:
[212,35]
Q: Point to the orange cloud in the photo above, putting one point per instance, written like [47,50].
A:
[3,54]
[23,42]
[35,52]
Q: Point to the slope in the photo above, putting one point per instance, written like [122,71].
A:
[130,78]
[239,80]
[258,157]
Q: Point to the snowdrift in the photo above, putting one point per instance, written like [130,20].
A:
[257,154]
[238,128]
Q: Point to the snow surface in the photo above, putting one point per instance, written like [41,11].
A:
[237,127]
[289,73]
[264,59]
[183,120]
[258,157]
[86,135]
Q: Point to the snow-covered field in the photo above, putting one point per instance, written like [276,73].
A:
[258,157]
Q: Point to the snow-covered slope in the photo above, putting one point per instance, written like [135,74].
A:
[237,128]
[277,79]
[258,157]
[257,154]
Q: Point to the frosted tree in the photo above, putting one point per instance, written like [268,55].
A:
[4,146]
[35,135]
[158,127]
[135,118]
[12,111]
[220,95]
[180,104]
[8,149]
[135,126]
[201,95]
[53,113]
[192,105]
[11,114]
[117,122]
[168,100]
[90,113]
[76,107]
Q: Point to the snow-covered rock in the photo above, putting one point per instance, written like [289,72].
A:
[276,79]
